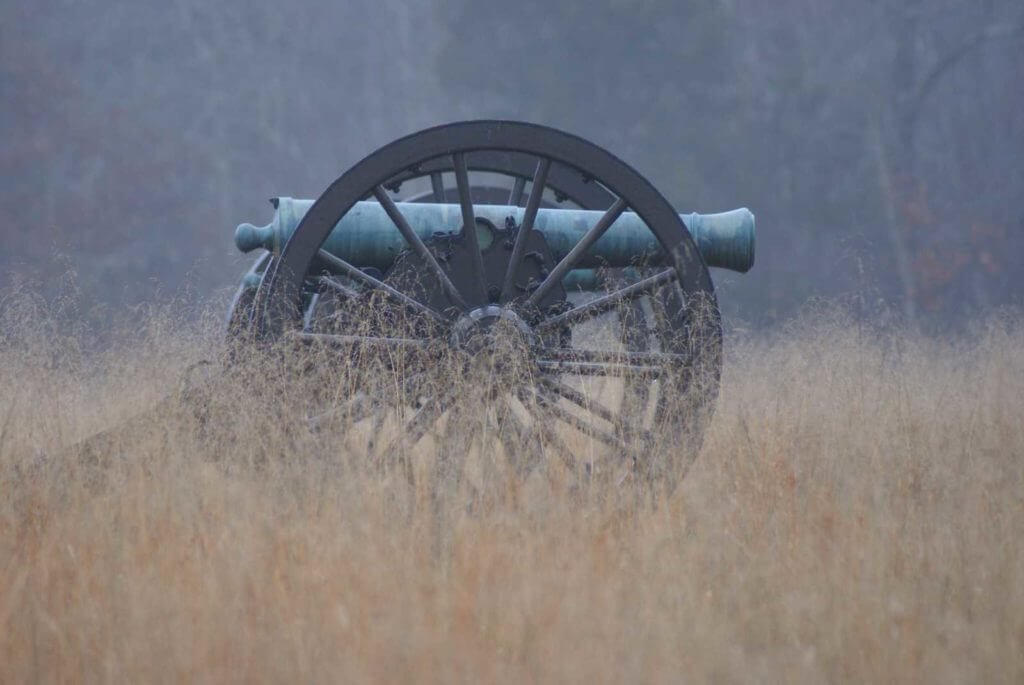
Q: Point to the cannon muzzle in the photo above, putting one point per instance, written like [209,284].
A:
[365,236]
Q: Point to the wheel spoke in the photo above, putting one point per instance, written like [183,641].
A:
[605,357]
[420,423]
[426,416]
[356,340]
[516,441]
[577,252]
[469,221]
[516,196]
[594,407]
[437,186]
[536,193]
[417,244]
[607,302]
[307,317]
[579,424]
[578,398]
[547,433]
[596,369]
[339,288]
[366,279]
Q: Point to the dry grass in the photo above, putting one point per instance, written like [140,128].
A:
[856,514]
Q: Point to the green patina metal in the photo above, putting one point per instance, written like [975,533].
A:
[367,237]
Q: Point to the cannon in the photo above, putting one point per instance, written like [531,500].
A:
[512,250]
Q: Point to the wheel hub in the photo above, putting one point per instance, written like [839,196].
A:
[497,342]
[491,329]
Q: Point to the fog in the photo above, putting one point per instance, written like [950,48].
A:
[879,144]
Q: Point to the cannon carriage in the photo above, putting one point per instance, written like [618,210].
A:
[557,280]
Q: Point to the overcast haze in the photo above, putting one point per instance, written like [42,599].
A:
[878,143]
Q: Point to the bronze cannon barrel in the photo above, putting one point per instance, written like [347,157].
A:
[365,236]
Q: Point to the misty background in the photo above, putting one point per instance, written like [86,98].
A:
[880,144]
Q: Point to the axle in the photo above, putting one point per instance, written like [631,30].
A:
[365,236]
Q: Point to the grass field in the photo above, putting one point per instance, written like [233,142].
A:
[856,514]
